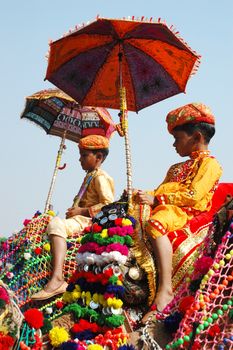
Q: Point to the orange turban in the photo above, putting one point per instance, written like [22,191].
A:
[93,142]
[191,113]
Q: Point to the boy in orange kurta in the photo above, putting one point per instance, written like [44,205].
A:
[186,191]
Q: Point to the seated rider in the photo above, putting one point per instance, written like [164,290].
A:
[96,191]
[186,191]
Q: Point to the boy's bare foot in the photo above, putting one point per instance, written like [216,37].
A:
[162,299]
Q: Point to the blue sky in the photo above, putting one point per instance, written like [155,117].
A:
[28,155]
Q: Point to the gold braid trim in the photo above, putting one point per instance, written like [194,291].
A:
[140,250]
[185,247]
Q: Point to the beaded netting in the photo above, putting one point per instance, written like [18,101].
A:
[25,259]
[207,322]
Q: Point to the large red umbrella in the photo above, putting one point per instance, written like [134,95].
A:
[126,64]
[60,115]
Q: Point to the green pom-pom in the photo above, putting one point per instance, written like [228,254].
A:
[113,279]
[128,240]
[46,327]
[2,303]
[231,314]
[115,321]
[75,309]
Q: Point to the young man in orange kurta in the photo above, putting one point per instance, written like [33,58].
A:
[186,191]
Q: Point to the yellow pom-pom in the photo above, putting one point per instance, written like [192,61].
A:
[117,303]
[75,294]
[67,297]
[51,213]
[119,283]
[77,287]
[88,295]
[126,222]
[4,329]
[104,233]
[101,299]
[94,347]
[104,303]
[95,297]
[78,239]
[47,247]
[58,335]
[109,302]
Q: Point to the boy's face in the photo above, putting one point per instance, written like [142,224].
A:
[184,143]
[88,160]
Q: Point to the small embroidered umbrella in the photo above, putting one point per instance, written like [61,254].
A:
[58,114]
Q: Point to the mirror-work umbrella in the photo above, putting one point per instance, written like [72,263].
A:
[126,64]
[58,114]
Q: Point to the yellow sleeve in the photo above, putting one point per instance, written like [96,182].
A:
[153,192]
[105,189]
[188,194]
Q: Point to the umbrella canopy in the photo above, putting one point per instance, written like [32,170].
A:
[121,64]
[156,63]
[57,113]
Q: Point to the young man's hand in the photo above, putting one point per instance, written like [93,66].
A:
[144,198]
[76,211]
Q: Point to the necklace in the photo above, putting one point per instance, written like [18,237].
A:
[199,154]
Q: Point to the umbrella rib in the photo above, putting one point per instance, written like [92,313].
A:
[126,57]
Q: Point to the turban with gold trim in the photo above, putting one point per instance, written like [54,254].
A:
[191,113]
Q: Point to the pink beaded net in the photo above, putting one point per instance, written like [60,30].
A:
[208,322]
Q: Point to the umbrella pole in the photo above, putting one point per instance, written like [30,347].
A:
[124,126]
[57,164]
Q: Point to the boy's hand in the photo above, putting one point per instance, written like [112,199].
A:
[73,211]
[144,198]
[77,211]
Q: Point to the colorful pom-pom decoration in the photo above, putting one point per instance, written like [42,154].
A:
[34,318]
